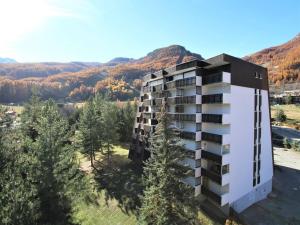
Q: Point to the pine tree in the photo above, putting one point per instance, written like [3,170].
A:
[18,193]
[89,130]
[58,171]
[167,200]
[110,128]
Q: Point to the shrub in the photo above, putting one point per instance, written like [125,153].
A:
[286,143]
[280,115]
[295,145]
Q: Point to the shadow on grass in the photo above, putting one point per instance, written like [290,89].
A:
[121,181]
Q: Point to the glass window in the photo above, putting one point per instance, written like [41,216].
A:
[226,148]
[225,169]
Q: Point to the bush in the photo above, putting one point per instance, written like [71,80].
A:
[280,115]
[286,143]
[295,145]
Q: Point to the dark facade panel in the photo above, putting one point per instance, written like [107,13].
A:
[243,73]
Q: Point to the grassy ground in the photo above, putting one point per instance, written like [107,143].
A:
[17,109]
[117,189]
[292,112]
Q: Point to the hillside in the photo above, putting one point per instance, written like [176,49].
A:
[283,61]
[120,77]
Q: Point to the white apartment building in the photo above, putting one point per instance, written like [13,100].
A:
[221,106]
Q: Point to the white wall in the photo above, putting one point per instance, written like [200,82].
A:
[216,108]
[242,138]
[266,171]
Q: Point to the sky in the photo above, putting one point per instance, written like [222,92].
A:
[98,30]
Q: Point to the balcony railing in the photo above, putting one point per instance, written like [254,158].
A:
[211,175]
[212,118]
[211,156]
[147,102]
[212,78]
[210,99]
[182,100]
[188,135]
[190,81]
[215,197]
[183,117]
[212,137]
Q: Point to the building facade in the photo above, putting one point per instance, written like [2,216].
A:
[221,106]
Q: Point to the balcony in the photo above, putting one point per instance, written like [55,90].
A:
[213,196]
[211,156]
[192,181]
[215,118]
[220,77]
[220,198]
[183,117]
[191,81]
[147,102]
[188,135]
[212,176]
[216,99]
[156,102]
[182,100]
[212,137]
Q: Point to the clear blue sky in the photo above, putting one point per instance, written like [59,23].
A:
[90,30]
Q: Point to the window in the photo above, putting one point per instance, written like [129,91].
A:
[256,75]
[198,126]
[169,78]
[225,169]
[198,90]
[226,148]
[179,108]
[254,182]
[198,109]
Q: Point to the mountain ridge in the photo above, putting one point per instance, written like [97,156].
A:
[282,61]
[121,77]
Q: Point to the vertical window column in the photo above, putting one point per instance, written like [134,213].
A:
[257,136]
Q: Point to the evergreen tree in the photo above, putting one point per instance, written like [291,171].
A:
[110,128]
[89,130]
[29,116]
[167,200]
[18,193]
[58,171]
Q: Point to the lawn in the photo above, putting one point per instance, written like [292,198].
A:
[292,112]
[117,189]
[17,109]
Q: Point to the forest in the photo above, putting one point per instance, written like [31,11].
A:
[78,81]
[63,167]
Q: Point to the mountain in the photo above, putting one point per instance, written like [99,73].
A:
[282,61]
[7,60]
[118,60]
[121,77]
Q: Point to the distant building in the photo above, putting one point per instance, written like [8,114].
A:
[221,106]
